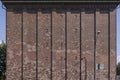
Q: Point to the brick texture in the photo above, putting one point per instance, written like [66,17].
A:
[59,44]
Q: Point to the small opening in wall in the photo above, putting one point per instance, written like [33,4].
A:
[99,66]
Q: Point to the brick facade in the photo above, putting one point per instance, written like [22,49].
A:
[58,42]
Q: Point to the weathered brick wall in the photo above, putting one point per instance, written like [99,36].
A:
[113,45]
[14,45]
[54,44]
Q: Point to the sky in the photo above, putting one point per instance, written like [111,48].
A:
[3,28]
[2,23]
[118,35]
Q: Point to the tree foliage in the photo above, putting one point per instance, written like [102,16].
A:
[2,61]
[118,69]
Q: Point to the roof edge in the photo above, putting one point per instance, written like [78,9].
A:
[4,1]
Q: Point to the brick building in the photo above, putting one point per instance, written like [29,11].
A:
[61,40]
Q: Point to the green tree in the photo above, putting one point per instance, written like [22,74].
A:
[2,61]
[118,69]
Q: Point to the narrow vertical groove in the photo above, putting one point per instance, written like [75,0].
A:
[22,46]
[51,46]
[94,43]
[80,47]
[109,45]
[36,44]
[85,69]
[65,44]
